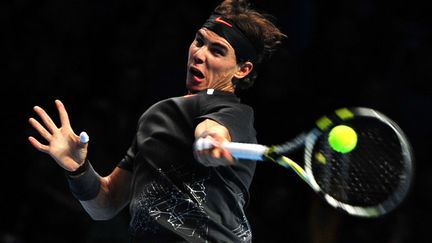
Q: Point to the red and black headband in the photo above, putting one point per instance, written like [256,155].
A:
[225,28]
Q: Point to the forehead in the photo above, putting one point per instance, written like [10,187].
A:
[214,38]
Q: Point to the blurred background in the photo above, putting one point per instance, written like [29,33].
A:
[108,61]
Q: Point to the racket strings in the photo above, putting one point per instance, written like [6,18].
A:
[366,176]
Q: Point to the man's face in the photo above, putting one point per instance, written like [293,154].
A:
[211,63]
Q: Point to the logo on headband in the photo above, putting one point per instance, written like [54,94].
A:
[220,20]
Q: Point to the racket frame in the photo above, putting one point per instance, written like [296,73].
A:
[386,206]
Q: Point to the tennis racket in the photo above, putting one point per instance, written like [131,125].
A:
[369,179]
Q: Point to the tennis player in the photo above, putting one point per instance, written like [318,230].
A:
[175,194]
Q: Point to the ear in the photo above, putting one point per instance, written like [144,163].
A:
[243,70]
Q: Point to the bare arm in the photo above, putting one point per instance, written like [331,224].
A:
[112,197]
[65,147]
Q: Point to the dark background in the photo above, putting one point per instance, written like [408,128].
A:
[109,60]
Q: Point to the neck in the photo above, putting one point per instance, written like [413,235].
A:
[225,89]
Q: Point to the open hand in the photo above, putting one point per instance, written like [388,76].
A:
[64,146]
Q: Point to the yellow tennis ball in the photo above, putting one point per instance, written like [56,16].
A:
[342,139]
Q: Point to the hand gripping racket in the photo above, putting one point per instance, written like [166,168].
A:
[357,159]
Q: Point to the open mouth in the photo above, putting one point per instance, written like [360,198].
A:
[196,73]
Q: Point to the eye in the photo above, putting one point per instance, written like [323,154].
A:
[199,41]
[218,51]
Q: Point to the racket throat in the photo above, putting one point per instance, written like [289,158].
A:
[288,163]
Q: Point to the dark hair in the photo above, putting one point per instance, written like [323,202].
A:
[257,27]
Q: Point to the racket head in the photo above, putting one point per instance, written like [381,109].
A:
[372,179]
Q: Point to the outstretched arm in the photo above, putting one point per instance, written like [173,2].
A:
[65,147]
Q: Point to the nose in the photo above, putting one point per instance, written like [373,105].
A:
[199,55]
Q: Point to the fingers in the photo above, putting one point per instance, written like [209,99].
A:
[208,145]
[209,152]
[216,149]
[38,145]
[39,128]
[227,155]
[64,118]
[212,159]
[46,119]
[224,154]
[203,143]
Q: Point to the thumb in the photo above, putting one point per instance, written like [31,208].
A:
[84,138]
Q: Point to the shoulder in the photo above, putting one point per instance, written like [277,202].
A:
[155,109]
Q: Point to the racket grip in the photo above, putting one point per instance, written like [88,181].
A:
[245,150]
